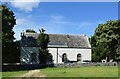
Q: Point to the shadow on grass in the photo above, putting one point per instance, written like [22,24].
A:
[12,68]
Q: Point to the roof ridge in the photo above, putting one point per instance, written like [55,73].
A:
[57,34]
[68,34]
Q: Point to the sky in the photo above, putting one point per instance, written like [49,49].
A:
[62,17]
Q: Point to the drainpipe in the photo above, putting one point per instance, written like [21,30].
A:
[57,56]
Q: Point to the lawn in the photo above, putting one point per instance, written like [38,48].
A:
[14,74]
[96,71]
[103,71]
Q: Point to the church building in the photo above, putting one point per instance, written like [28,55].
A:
[62,47]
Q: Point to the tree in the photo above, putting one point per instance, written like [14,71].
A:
[9,47]
[42,41]
[104,42]
[30,31]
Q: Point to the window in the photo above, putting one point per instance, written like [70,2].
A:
[79,57]
[64,58]
[33,58]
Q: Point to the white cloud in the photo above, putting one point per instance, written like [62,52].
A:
[21,21]
[90,24]
[25,22]
[58,19]
[25,5]
[22,24]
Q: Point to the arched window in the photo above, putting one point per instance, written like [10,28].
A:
[79,57]
[33,58]
[64,58]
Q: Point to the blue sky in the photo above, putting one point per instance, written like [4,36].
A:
[62,17]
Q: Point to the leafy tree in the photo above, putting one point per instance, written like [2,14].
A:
[117,57]
[105,40]
[42,41]
[30,31]
[9,47]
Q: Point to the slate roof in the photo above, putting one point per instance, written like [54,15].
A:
[58,40]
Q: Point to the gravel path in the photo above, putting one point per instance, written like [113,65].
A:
[34,73]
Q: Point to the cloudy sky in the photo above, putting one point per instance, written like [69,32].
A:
[62,17]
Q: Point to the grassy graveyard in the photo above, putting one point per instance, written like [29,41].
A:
[14,73]
[91,71]
[101,71]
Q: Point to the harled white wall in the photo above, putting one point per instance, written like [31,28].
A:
[71,54]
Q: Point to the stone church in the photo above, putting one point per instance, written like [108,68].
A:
[62,47]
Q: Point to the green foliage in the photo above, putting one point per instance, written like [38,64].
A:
[117,57]
[105,40]
[42,41]
[9,47]
[43,56]
[30,31]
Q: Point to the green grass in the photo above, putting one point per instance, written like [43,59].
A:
[13,74]
[91,71]
[103,71]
